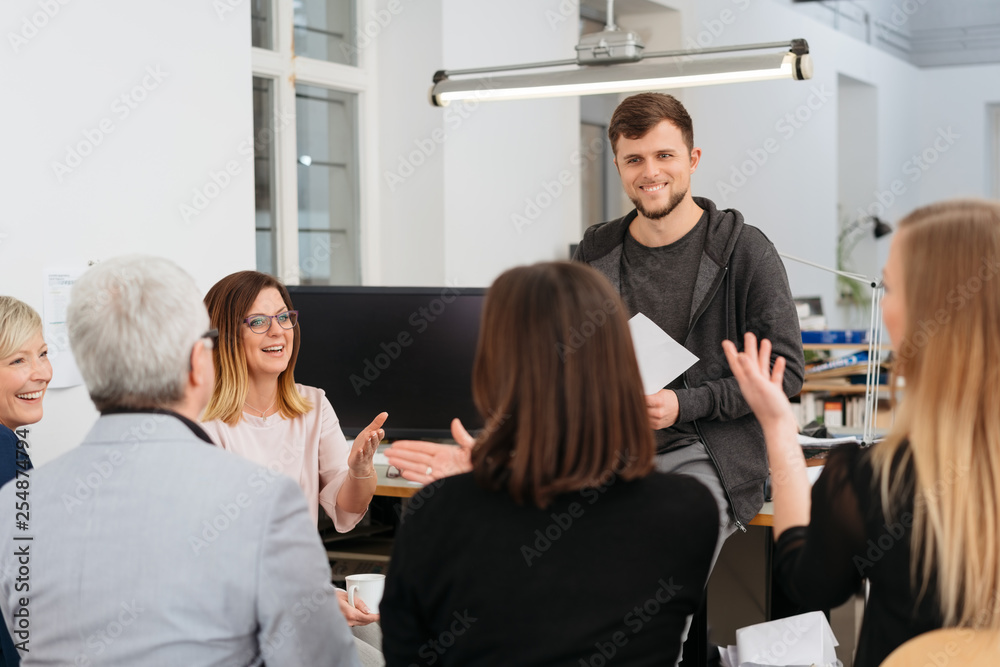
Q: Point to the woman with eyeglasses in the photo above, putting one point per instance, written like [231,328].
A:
[258,411]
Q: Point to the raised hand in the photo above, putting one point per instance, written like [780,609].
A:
[425,462]
[760,384]
[363,450]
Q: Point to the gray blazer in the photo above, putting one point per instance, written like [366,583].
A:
[152,547]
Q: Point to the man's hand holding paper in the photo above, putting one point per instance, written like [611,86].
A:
[661,360]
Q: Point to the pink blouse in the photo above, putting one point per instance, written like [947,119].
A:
[311,449]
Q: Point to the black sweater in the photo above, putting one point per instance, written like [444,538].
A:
[848,539]
[477,580]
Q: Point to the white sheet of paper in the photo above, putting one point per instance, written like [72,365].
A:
[661,358]
[803,640]
[55,299]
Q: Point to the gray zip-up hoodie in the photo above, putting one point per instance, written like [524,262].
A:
[741,286]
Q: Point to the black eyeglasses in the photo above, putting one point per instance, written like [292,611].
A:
[261,323]
[213,337]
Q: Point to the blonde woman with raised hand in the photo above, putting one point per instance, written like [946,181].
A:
[918,514]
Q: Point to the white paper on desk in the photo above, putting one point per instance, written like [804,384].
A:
[803,640]
[661,358]
[825,443]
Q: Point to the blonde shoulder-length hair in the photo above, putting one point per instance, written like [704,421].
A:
[229,302]
[18,323]
[948,423]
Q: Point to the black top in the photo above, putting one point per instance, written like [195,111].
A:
[659,283]
[615,570]
[11,458]
[849,538]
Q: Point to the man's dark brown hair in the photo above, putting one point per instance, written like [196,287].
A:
[558,385]
[639,114]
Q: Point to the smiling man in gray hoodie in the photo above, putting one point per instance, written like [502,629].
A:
[703,276]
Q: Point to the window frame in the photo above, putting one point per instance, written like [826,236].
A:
[286,70]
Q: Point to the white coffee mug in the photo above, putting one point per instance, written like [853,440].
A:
[368,587]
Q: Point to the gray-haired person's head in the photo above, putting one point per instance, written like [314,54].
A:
[133,321]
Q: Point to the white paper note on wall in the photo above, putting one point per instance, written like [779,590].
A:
[58,285]
[661,358]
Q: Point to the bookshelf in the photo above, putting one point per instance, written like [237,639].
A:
[825,389]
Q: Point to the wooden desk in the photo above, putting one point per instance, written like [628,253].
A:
[765,517]
[395,487]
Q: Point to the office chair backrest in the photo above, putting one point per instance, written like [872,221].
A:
[954,647]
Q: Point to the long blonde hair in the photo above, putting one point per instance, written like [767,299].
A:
[228,303]
[948,423]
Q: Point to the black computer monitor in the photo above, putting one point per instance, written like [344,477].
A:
[404,350]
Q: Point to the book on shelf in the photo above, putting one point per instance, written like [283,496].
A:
[832,411]
[839,367]
[835,337]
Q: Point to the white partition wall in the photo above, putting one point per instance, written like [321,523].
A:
[123,127]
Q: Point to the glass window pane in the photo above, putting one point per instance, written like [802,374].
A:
[323,30]
[263,173]
[260,24]
[326,131]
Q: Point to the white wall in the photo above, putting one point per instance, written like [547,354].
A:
[953,111]
[411,135]
[64,84]
[491,165]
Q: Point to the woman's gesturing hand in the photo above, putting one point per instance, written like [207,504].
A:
[363,451]
[425,462]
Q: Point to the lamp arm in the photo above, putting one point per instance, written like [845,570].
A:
[853,276]
[874,364]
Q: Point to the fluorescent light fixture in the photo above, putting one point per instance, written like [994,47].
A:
[682,69]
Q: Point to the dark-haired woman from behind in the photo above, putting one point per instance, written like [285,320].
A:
[563,544]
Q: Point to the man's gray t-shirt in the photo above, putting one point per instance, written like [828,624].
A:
[659,283]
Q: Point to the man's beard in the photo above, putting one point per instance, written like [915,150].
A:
[660,213]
